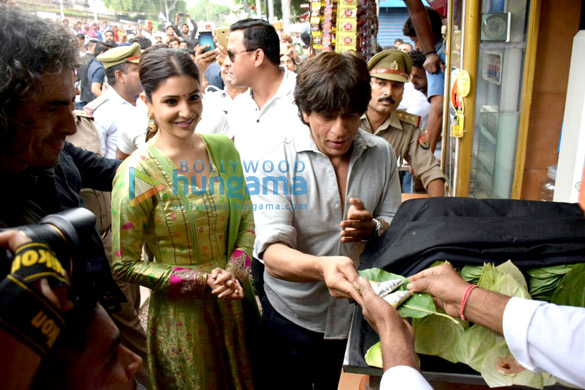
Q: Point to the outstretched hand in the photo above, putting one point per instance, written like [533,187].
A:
[359,224]
[340,276]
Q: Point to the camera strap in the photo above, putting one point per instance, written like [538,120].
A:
[25,312]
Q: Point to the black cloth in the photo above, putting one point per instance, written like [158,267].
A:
[30,195]
[86,96]
[474,231]
[470,231]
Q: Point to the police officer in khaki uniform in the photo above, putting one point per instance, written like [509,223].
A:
[120,103]
[389,71]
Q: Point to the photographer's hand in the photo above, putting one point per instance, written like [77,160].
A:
[30,324]
[12,239]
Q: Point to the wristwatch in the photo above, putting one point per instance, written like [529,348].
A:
[378,230]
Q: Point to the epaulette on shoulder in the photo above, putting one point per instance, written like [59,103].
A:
[82,113]
[94,104]
[408,118]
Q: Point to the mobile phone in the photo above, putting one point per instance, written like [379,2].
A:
[221,34]
[181,13]
[206,38]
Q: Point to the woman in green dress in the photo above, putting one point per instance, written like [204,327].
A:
[198,223]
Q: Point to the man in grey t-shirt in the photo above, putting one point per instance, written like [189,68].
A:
[340,188]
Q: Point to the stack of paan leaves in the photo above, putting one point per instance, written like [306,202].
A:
[544,281]
[484,350]
[408,305]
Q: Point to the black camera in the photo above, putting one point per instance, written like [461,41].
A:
[72,236]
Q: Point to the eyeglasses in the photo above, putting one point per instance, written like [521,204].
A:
[232,55]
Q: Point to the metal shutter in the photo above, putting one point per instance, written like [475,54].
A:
[391,21]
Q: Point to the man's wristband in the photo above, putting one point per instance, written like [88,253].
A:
[429,52]
[464,300]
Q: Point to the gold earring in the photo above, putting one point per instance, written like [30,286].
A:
[152,127]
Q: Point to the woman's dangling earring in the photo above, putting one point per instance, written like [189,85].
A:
[152,127]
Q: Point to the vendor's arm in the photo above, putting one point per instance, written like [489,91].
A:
[447,288]
[401,369]
[546,336]
[129,224]
[540,335]
[338,272]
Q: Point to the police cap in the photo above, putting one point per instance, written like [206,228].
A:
[391,65]
[119,55]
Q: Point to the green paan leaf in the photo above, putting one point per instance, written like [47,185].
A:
[509,268]
[471,273]
[374,355]
[473,345]
[499,368]
[436,335]
[571,290]
[417,306]
[504,283]
[543,281]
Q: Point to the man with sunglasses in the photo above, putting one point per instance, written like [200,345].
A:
[262,116]
[266,109]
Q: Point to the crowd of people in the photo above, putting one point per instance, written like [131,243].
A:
[267,185]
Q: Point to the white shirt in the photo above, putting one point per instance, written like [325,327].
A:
[133,130]
[219,99]
[110,115]
[547,337]
[257,131]
[540,335]
[415,102]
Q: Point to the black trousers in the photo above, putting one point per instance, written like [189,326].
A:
[298,358]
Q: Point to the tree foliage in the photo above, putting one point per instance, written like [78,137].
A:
[205,10]
[150,8]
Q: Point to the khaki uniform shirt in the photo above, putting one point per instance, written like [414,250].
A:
[404,136]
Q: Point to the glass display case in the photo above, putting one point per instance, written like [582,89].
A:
[487,44]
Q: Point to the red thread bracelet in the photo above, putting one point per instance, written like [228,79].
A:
[464,300]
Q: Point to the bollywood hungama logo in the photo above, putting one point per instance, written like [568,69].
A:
[142,187]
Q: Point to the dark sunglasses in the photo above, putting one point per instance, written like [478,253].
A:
[232,55]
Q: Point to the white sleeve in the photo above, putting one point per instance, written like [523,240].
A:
[404,378]
[103,136]
[548,337]
[111,140]
[125,144]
